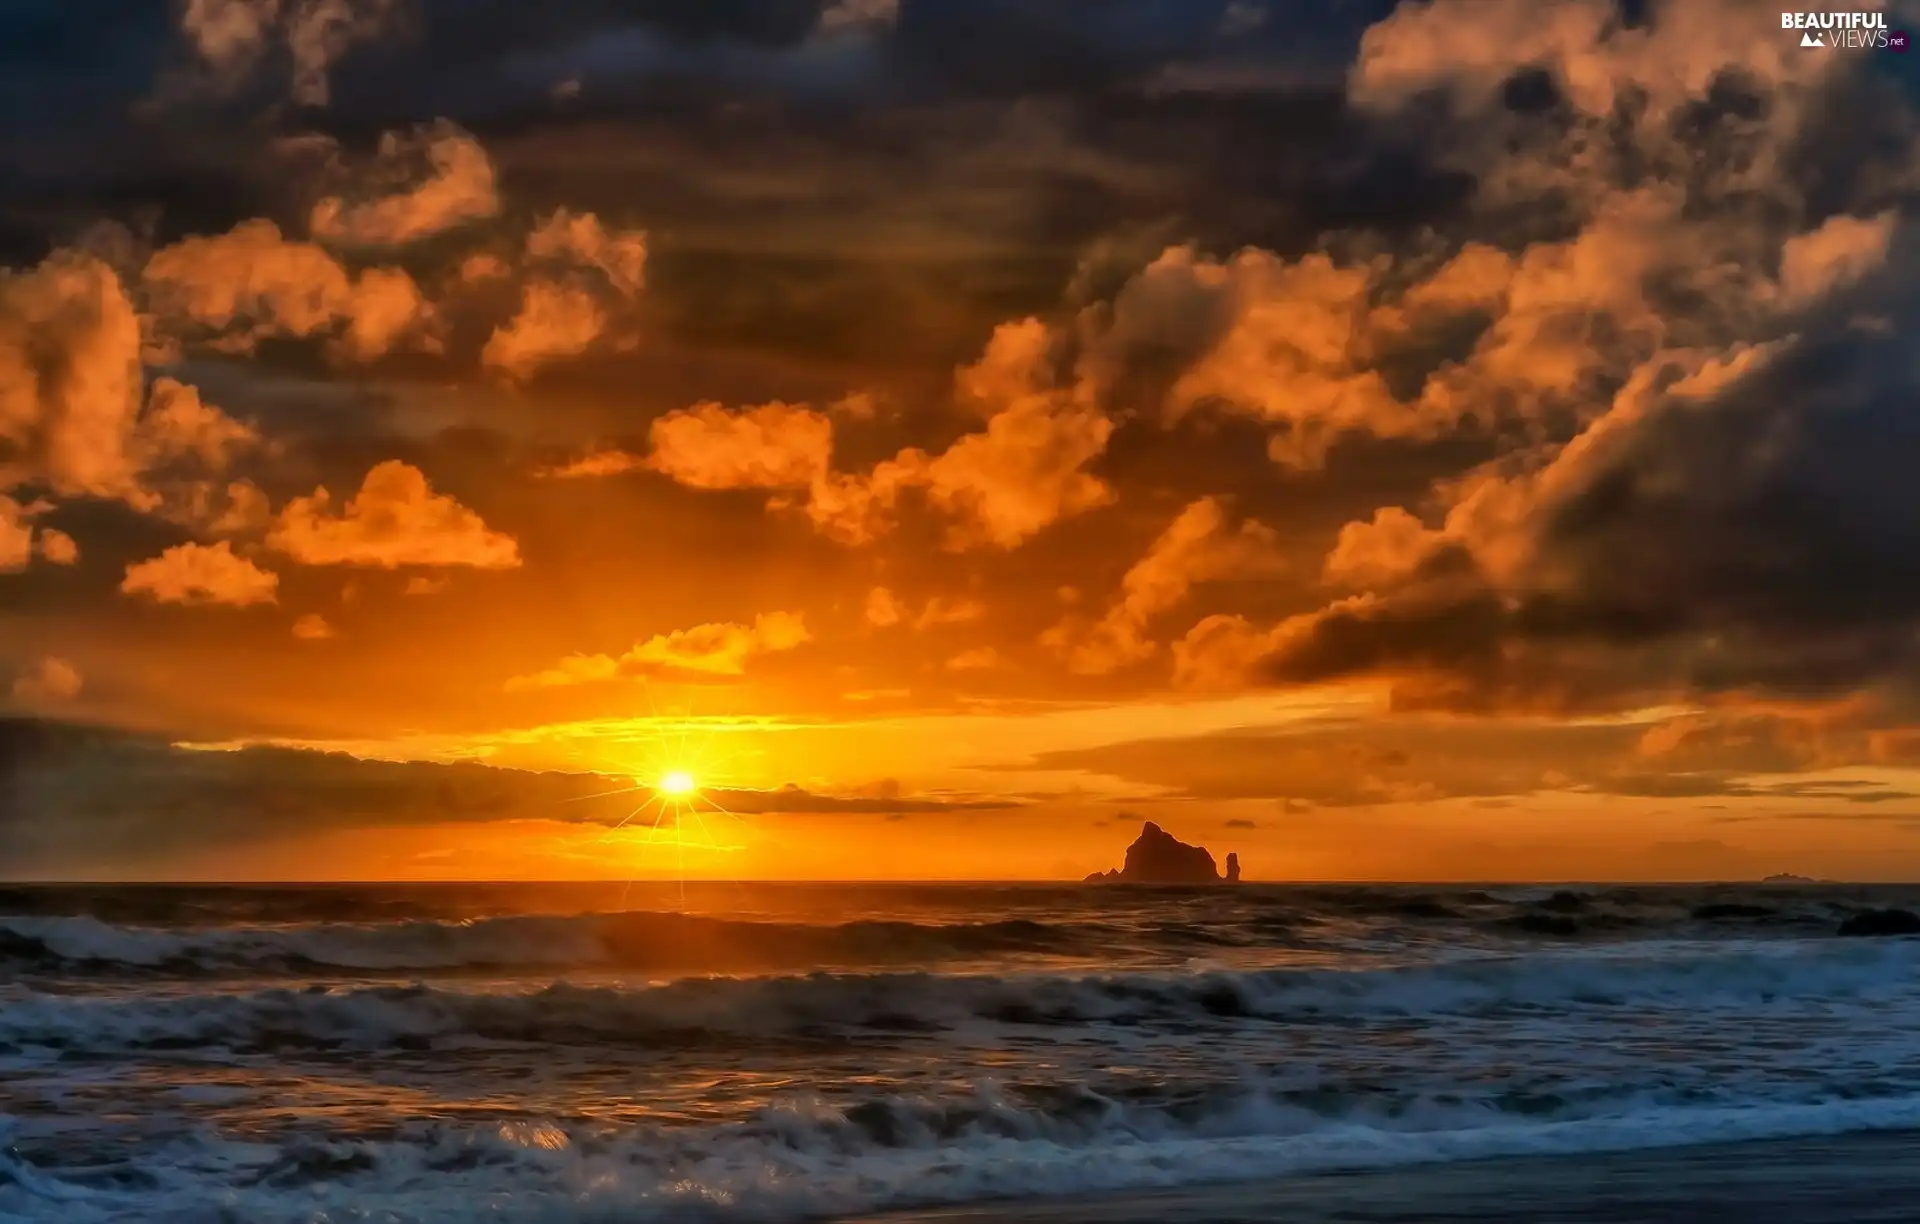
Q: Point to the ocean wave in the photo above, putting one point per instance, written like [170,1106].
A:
[799,1163]
[641,941]
[704,1010]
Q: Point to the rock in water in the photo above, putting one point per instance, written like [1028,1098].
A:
[1158,857]
[1882,922]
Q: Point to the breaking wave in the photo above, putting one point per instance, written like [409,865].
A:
[643,942]
[706,1010]
[796,1163]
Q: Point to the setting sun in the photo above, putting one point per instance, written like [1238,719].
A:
[677,782]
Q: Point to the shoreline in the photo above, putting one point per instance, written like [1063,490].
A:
[1867,1177]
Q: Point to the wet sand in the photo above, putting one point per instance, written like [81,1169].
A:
[1844,1179]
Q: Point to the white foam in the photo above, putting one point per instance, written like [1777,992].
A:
[536,1174]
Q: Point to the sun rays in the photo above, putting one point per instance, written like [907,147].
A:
[676,768]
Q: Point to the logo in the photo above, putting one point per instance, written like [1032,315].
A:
[1828,31]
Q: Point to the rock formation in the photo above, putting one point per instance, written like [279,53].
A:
[1158,857]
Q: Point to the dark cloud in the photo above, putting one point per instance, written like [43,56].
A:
[1421,759]
[69,791]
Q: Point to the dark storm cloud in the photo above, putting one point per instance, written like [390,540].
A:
[1764,539]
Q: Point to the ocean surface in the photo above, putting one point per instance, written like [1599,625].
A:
[562,1053]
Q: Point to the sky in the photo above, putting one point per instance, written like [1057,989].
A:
[1452,439]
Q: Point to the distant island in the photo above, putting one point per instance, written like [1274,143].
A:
[1788,878]
[1158,857]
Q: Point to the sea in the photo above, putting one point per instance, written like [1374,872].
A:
[759,1052]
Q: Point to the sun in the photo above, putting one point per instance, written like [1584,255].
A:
[677,782]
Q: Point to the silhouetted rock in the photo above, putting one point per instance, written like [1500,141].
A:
[1788,878]
[1882,922]
[1158,857]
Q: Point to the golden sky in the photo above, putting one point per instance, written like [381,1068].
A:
[1454,439]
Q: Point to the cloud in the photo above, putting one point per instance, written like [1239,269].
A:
[201,574]
[855,14]
[70,382]
[424,584]
[1353,762]
[1198,546]
[883,608]
[1842,250]
[982,658]
[395,520]
[717,651]
[1288,342]
[1595,57]
[235,37]
[581,240]
[16,536]
[236,288]
[943,611]
[20,541]
[313,627]
[1028,469]
[445,179]
[76,417]
[49,680]
[582,274]
[177,423]
[772,446]
[554,321]
[57,547]
[85,801]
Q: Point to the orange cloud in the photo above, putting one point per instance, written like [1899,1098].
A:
[554,321]
[48,680]
[599,463]
[70,383]
[983,658]
[201,574]
[580,238]
[1384,549]
[713,651]
[844,15]
[396,519]
[772,446]
[457,186]
[884,609]
[1025,471]
[1475,46]
[178,422]
[1220,652]
[250,282]
[233,37]
[16,536]
[313,627]
[943,611]
[422,584]
[1198,546]
[57,547]
[1841,251]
